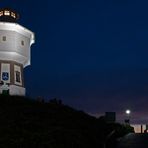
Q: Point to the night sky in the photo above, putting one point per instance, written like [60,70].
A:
[92,54]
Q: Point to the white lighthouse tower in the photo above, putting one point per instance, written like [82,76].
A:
[15,43]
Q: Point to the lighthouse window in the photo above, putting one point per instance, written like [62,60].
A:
[18,78]
[13,15]
[22,42]
[1,13]
[6,12]
[4,38]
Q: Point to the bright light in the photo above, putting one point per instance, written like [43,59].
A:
[1,13]
[128,111]
[7,12]
[13,15]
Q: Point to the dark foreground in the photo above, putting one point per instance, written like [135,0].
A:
[26,123]
[134,141]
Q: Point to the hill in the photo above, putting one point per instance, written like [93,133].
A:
[26,123]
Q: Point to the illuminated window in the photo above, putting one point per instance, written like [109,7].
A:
[22,42]
[1,13]
[13,15]
[4,38]
[6,12]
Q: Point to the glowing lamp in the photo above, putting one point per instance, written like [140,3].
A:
[127,111]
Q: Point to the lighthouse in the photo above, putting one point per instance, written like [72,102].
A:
[15,54]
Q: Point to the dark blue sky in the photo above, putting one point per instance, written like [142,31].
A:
[92,54]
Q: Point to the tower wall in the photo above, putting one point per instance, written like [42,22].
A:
[11,73]
[15,42]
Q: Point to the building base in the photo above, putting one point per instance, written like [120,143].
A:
[13,90]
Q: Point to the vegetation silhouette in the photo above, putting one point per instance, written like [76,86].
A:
[27,123]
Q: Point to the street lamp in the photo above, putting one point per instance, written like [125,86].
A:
[128,112]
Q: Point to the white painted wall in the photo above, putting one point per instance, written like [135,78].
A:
[16,90]
[12,49]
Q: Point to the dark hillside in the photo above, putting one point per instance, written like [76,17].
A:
[26,123]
